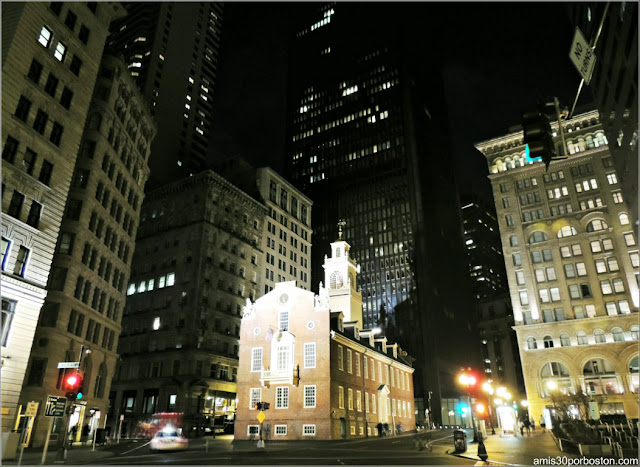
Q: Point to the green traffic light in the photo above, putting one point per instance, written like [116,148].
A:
[79,395]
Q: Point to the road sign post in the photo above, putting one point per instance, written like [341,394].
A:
[53,408]
[261,417]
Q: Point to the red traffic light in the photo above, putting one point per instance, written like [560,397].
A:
[72,381]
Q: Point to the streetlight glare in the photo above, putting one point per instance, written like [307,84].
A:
[552,385]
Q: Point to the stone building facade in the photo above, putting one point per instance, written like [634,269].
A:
[50,58]
[572,261]
[91,264]
[322,374]
[195,266]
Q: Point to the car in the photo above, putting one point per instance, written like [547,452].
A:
[168,439]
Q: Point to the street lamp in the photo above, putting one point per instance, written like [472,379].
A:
[469,381]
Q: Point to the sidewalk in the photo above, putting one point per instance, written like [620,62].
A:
[78,454]
[520,450]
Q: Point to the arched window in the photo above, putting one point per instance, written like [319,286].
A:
[582,338]
[633,375]
[508,163]
[513,240]
[335,281]
[532,344]
[624,219]
[538,236]
[590,143]
[567,231]
[565,340]
[500,165]
[634,332]
[596,225]
[555,376]
[601,139]
[548,342]
[600,377]
[101,378]
[600,337]
[618,334]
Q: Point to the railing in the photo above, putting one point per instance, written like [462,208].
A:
[276,376]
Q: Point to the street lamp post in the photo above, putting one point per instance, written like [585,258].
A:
[468,381]
[489,390]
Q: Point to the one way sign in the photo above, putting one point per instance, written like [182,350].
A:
[55,406]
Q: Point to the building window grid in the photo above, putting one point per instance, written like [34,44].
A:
[309,396]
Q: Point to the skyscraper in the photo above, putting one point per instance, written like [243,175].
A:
[91,263]
[484,252]
[572,262]
[614,85]
[50,58]
[171,50]
[367,143]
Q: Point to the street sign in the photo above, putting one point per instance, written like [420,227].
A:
[32,409]
[582,56]
[69,365]
[261,417]
[55,406]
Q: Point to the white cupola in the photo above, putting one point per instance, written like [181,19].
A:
[340,275]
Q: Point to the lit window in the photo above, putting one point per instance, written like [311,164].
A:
[140,39]
[60,52]
[45,36]
[156,323]
[171,279]
[161,57]
[190,79]
[132,289]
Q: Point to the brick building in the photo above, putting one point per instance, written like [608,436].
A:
[323,375]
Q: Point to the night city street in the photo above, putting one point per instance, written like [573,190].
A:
[319,233]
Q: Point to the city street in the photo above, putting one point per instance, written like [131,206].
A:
[400,450]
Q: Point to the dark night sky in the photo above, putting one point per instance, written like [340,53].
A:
[500,58]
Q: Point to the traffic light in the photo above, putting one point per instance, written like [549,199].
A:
[73,386]
[261,405]
[537,134]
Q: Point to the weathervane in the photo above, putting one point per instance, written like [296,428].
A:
[341,224]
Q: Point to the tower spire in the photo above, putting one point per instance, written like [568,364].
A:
[341,224]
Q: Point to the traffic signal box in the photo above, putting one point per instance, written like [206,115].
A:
[262,405]
[538,135]
[73,386]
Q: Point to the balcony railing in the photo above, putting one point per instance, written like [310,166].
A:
[269,377]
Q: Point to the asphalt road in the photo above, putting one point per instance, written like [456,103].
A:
[375,451]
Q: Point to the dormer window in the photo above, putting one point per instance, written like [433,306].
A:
[338,252]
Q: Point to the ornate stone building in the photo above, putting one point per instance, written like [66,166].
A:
[91,264]
[196,263]
[572,262]
[50,58]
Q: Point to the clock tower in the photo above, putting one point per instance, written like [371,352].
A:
[340,274]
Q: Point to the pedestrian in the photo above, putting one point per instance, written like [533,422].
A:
[533,425]
[521,428]
[543,425]
[527,426]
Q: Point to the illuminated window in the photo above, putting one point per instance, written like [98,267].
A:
[45,36]
[156,323]
[60,52]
